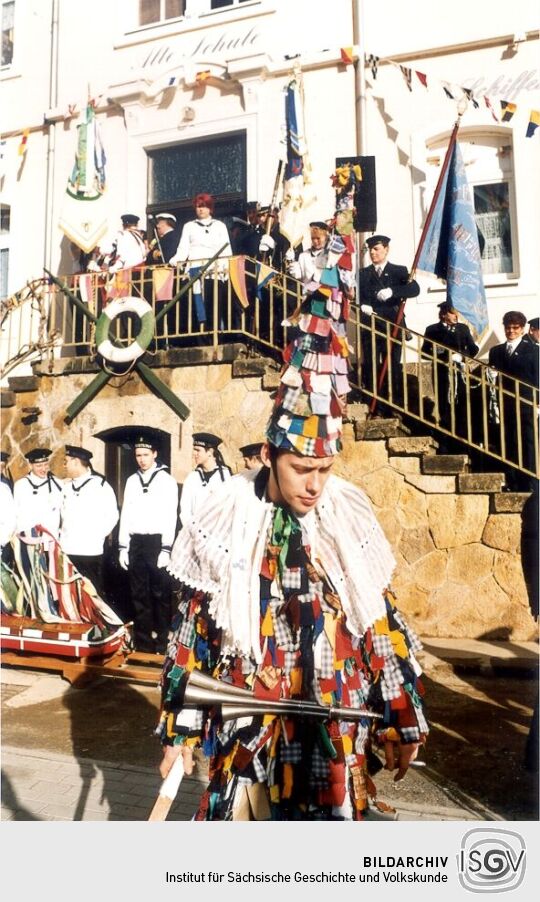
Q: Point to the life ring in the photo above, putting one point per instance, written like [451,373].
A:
[138,346]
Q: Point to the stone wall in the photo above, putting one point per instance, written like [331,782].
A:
[459,569]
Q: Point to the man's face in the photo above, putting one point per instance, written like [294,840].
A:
[318,238]
[73,466]
[204,457]
[253,462]
[534,333]
[40,469]
[513,330]
[378,253]
[252,216]
[202,211]
[296,481]
[162,227]
[145,458]
[449,317]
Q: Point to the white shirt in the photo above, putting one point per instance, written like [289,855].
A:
[150,512]
[130,250]
[7,514]
[89,513]
[196,488]
[309,266]
[200,240]
[37,503]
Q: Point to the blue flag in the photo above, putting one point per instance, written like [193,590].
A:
[450,247]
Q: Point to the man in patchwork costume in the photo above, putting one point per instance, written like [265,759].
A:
[285,592]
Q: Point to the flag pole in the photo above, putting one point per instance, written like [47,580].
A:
[401,311]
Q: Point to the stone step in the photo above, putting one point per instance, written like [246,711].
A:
[377,429]
[356,411]
[23,383]
[270,381]
[412,444]
[444,464]
[7,398]
[252,366]
[508,502]
[480,483]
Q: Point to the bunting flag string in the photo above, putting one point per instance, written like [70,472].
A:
[23,142]
[453,92]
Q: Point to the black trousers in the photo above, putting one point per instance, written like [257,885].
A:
[150,594]
[90,566]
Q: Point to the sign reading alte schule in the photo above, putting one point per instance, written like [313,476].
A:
[224,44]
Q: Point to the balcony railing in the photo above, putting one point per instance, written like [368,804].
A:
[461,400]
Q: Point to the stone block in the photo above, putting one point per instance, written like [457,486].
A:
[7,398]
[415,543]
[391,526]
[270,381]
[468,564]
[503,531]
[430,571]
[23,383]
[411,509]
[433,485]
[375,429]
[383,488]
[362,458]
[405,464]
[480,482]
[457,519]
[356,411]
[508,502]
[445,464]
[413,602]
[412,445]
[217,377]
[250,366]
[508,572]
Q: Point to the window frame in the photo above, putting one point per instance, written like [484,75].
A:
[484,136]
[6,67]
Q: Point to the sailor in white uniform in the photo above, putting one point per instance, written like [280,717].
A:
[38,496]
[89,514]
[147,531]
[210,471]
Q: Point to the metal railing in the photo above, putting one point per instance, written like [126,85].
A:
[461,400]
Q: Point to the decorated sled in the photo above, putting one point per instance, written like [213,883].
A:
[48,607]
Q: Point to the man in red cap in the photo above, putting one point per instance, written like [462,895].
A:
[284,591]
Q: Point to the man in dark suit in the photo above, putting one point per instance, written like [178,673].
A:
[448,365]
[517,359]
[382,288]
[165,241]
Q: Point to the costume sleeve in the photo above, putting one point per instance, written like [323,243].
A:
[195,644]
[396,691]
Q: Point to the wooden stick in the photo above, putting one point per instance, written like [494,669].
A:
[168,791]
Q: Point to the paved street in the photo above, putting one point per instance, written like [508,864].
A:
[89,754]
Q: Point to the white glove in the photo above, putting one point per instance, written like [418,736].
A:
[492,374]
[289,256]
[93,266]
[384,294]
[163,559]
[457,358]
[366,308]
[123,558]
[267,243]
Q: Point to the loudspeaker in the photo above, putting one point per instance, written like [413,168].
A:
[365,196]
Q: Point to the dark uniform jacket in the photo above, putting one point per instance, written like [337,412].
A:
[457,337]
[522,364]
[168,245]
[394,277]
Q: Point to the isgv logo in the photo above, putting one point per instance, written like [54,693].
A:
[491,861]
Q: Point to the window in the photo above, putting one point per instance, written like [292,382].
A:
[489,165]
[219,4]
[8,18]
[153,11]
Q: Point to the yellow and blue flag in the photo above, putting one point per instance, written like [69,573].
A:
[507,109]
[450,247]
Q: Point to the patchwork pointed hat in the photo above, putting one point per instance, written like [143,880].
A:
[310,401]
